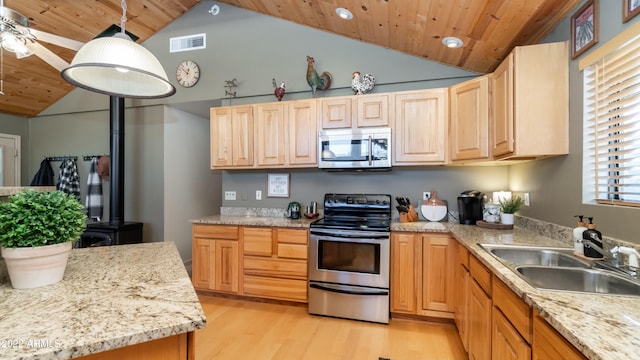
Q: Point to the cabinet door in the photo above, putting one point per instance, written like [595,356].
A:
[203,265]
[336,112]
[403,273]
[226,265]
[372,110]
[303,132]
[438,264]
[270,135]
[221,134]
[242,132]
[461,299]
[479,323]
[502,121]
[506,342]
[548,344]
[469,119]
[420,131]
[231,131]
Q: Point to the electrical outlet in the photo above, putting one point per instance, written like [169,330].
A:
[527,201]
[426,195]
[229,195]
[258,195]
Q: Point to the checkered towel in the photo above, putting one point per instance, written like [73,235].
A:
[69,180]
[93,201]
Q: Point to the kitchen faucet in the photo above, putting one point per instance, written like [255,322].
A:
[631,253]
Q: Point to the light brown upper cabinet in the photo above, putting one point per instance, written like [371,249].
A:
[530,103]
[355,111]
[420,127]
[469,120]
[270,135]
[231,136]
[302,133]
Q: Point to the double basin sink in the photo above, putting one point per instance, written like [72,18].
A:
[559,269]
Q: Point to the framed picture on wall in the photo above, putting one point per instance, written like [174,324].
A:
[584,28]
[630,9]
[278,185]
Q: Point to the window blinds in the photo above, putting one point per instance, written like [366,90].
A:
[612,127]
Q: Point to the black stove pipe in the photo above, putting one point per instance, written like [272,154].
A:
[116,186]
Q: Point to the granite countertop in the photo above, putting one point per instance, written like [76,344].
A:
[254,221]
[110,297]
[602,327]
[12,190]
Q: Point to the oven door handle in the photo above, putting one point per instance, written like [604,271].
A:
[354,235]
[349,292]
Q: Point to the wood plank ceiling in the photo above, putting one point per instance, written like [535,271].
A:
[489,29]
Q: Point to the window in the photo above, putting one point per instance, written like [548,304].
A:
[612,127]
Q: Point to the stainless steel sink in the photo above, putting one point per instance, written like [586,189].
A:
[579,279]
[533,255]
[559,269]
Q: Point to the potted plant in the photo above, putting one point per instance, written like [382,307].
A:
[508,207]
[37,230]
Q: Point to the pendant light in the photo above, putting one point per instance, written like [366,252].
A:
[120,67]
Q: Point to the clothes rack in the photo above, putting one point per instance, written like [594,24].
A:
[89,157]
[61,158]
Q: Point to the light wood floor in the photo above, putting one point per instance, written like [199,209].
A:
[240,329]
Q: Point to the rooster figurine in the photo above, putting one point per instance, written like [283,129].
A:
[362,84]
[279,90]
[322,81]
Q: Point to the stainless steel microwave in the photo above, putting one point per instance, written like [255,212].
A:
[355,149]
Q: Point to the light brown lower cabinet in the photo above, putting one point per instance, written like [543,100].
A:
[275,263]
[215,257]
[506,342]
[548,344]
[177,347]
[422,274]
[479,322]
[461,294]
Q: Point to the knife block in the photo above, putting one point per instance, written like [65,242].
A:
[410,216]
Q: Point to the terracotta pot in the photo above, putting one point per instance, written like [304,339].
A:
[36,266]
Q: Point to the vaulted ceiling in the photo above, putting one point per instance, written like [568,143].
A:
[489,29]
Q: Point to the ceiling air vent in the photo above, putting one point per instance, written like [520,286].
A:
[188,43]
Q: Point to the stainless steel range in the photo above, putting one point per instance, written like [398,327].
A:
[349,253]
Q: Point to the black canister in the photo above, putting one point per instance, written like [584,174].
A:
[595,237]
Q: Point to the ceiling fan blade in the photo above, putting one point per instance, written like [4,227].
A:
[57,40]
[48,56]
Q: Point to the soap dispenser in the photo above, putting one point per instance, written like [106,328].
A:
[595,237]
[577,236]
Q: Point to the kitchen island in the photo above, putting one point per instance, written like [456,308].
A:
[112,297]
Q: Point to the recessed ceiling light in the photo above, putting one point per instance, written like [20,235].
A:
[452,42]
[344,13]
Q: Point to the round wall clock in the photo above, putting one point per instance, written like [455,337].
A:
[188,73]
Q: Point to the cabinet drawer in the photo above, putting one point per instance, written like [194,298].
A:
[283,268]
[463,255]
[514,308]
[282,289]
[215,231]
[290,236]
[292,251]
[257,241]
[480,273]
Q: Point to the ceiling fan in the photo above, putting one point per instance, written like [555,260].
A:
[18,38]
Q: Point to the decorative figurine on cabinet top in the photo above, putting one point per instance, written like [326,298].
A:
[279,90]
[362,84]
[321,82]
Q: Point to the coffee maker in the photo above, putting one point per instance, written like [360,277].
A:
[470,206]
